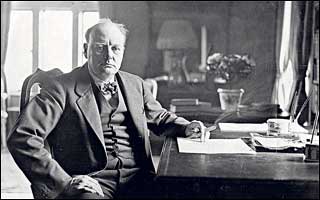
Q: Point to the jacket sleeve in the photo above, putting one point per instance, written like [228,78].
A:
[161,121]
[27,138]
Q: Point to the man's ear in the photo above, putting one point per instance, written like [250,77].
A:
[85,50]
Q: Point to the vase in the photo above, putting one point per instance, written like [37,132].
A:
[230,99]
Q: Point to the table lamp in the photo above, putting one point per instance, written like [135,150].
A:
[175,37]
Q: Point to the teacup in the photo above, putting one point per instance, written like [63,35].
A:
[278,127]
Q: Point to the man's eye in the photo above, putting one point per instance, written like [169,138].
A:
[116,48]
[99,48]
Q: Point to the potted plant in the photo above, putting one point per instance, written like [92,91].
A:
[223,69]
[227,68]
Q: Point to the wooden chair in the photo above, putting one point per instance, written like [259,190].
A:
[38,77]
[152,84]
[4,115]
[156,141]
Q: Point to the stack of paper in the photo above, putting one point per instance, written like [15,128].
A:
[214,146]
[276,143]
[243,127]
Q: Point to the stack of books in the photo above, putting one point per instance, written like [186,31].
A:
[189,105]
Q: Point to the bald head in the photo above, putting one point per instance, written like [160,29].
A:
[104,25]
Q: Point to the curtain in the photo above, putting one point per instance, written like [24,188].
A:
[310,14]
[285,69]
[5,22]
[305,58]
[280,12]
[294,54]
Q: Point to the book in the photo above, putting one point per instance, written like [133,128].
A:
[201,106]
[185,101]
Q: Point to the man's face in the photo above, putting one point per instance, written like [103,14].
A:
[105,50]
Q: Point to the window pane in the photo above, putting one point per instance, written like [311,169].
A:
[18,63]
[86,20]
[55,44]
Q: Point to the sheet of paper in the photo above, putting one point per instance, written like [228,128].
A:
[214,146]
[306,138]
[243,127]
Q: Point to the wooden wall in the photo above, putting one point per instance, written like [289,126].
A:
[233,28]
[135,15]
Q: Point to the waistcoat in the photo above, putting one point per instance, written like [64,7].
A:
[120,135]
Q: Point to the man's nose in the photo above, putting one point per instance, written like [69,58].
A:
[108,54]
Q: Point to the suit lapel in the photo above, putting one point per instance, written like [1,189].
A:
[132,96]
[135,104]
[87,103]
[89,108]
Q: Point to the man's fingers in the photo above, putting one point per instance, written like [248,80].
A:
[195,129]
[86,188]
[90,180]
[85,181]
[194,135]
[89,188]
[95,184]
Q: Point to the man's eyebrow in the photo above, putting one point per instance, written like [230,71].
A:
[113,44]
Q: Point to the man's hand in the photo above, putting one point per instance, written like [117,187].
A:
[83,183]
[195,129]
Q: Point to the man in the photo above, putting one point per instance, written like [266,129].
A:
[96,121]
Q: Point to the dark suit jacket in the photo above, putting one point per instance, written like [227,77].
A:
[65,115]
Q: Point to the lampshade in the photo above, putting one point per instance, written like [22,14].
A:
[177,34]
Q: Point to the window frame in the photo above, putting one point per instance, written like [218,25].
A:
[36,6]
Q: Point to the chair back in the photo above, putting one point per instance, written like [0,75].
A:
[38,77]
[153,85]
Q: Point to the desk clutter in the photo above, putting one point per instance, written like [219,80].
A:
[266,128]
[249,138]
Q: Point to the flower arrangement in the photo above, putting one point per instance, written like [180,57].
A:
[225,68]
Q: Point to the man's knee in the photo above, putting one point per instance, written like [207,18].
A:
[142,188]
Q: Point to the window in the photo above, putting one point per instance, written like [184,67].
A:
[19,52]
[55,40]
[86,20]
[46,35]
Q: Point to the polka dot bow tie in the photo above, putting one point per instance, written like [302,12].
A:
[108,88]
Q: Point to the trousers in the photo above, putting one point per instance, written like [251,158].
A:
[121,179]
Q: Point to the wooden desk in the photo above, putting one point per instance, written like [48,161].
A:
[264,175]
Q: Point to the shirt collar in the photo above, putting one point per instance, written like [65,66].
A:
[96,79]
